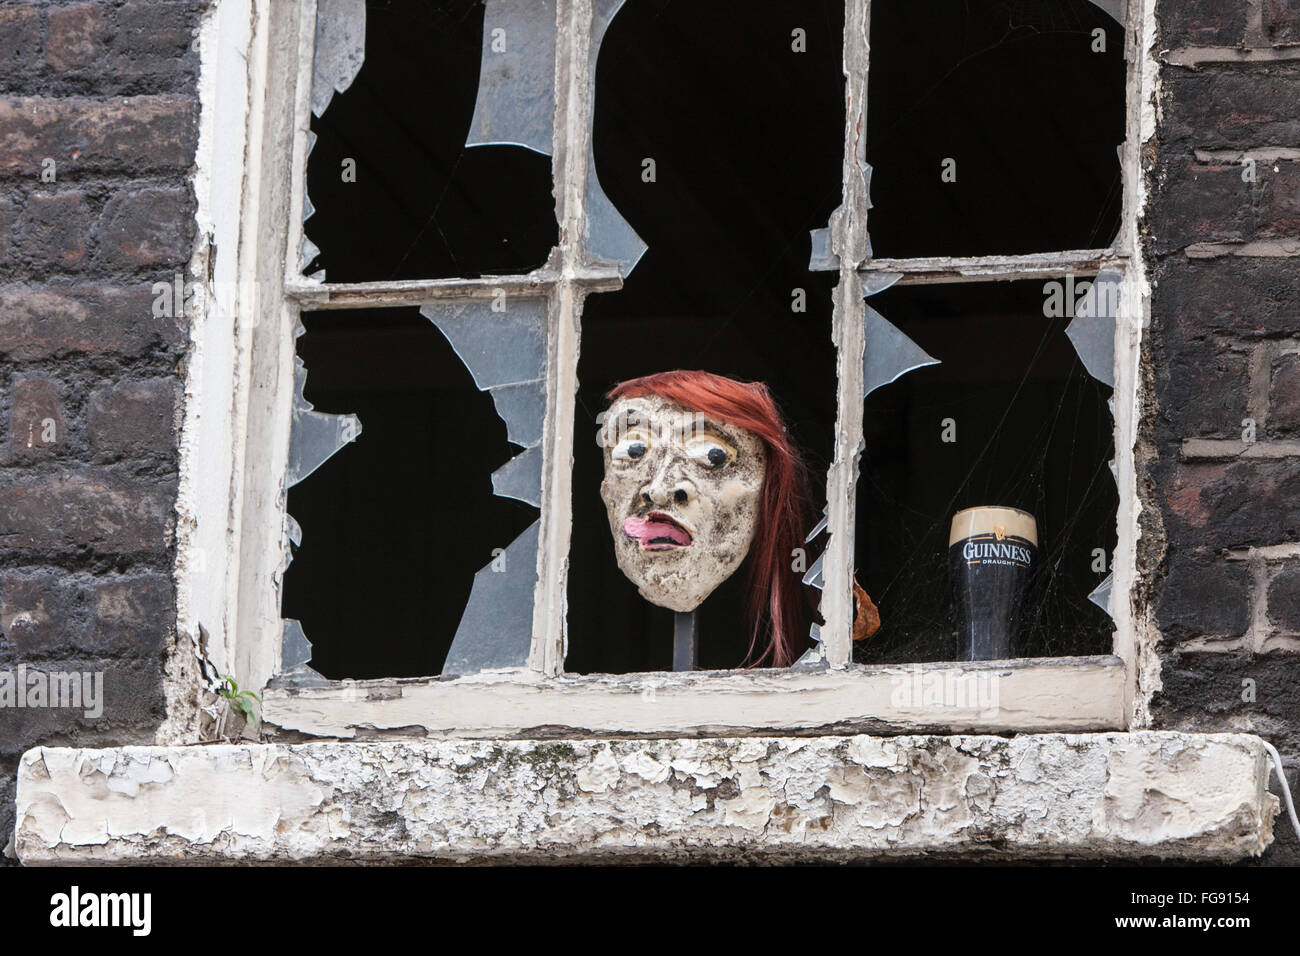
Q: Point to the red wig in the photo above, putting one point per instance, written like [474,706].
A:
[775,602]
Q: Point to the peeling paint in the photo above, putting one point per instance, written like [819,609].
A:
[1091,796]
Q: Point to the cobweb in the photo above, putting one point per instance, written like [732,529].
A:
[1040,443]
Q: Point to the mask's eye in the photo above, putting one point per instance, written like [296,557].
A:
[711,453]
[632,448]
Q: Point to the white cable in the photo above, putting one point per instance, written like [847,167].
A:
[1286,788]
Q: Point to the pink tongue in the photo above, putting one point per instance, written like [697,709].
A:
[648,529]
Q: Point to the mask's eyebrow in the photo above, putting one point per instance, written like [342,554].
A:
[701,424]
[628,419]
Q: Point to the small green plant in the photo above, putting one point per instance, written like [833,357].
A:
[241,700]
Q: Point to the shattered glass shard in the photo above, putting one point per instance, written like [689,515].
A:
[889,353]
[521,478]
[295,652]
[1101,595]
[1092,331]
[314,436]
[340,49]
[496,629]
[500,344]
[516,94]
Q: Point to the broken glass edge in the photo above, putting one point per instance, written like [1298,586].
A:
[520,478]
[889,353]
[476,333]
[820,526]
[1093,334]
[1116,8]
[515,104]
[295,652]
[522,406]
[609,237]
[813,576]
[820,257]
[813,659]
[1101,595]
[496,613]
[496,627]
[874,283]
[314,437]
[340,49]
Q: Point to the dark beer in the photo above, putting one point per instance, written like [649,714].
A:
[991,556]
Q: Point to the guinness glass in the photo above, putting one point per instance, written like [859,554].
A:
[991,555]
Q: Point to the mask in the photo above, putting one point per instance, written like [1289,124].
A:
[683,493]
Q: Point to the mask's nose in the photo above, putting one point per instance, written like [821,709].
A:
[669,486]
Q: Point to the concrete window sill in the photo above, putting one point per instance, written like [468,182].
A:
[1102,796]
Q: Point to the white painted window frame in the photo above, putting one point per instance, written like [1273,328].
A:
[231,554]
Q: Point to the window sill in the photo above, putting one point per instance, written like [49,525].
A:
[1028,695]
[1111,796]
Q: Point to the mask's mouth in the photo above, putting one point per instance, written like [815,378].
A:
[657,532]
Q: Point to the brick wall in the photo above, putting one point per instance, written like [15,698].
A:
[89,380]
[98,114]
[1223,433]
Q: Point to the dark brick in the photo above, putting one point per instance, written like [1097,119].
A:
[115,134]
[130,615]
[37,424]
[8,215]
[44,322]
[1284,599]
[133,419]
[1236,110]
[55,229]
[1284,398]
[1204,596]
[1282,21]
[153,40]
[86,509]
[1202,693]
[75,37]
[8,785]
[49,614]
[1279,213]
[148,227]
[1196,202]
[1232,505]
[20,36]
[1244,297]
[1201,391]
[1201,23]
[132,703]
[41,616]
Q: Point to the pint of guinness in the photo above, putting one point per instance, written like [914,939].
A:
[991,556]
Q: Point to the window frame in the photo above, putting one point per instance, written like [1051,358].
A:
[230,542]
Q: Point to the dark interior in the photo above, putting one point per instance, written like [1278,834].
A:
[1011,90]
[422,206]
[1033,431]
[397,523]
[747,136]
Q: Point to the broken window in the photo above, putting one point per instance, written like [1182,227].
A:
[401,180]
[511,206]
[994,126]
[1008,415]
[741,114]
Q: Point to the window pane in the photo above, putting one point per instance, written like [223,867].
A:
[719,136]
[1010,418]
[993,126]
[397,194]
[397,524]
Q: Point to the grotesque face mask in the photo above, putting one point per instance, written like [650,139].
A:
[683,494]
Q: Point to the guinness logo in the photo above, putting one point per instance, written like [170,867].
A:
[999,531]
